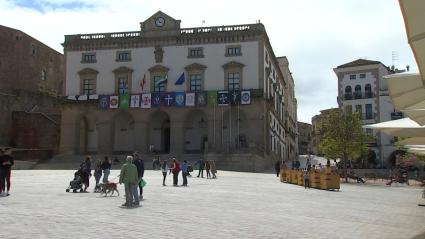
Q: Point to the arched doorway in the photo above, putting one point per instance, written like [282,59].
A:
[159,132]
[86,135]
[123,133]
[196,132]
[394,157]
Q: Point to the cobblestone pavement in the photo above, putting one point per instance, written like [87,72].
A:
[236,205]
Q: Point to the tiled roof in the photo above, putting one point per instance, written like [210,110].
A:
[359,62]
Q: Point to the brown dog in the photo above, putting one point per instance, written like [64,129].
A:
[109,187]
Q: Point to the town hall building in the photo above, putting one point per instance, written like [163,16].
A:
[214,92]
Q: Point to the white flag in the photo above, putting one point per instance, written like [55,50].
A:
[146,101]
[113,102]
[134,101]
[190,99]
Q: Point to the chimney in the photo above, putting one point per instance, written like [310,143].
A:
[407,68]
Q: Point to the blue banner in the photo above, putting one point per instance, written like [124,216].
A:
[223,98]
[201,98]
[167,99]
[234,97]
[179,99]
[104,101]
[156,100]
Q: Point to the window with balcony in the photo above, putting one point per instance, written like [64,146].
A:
[195,82]
[123,78]
[358,92]
[359,109]
[348,95]
[233,81]
[368,91]
[369,112]
[88,79]
[89,87]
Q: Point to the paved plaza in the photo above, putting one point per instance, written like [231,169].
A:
[236,205]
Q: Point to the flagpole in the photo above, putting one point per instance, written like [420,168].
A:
[230,127]
[238,126]
[222,128]
[214,127]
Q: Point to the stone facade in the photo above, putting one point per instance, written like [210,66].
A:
[305,145]
[163,50]
[362,88]
[31,76]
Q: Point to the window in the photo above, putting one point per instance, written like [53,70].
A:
[352,77]
[359,109]
[368,91]
[33,49]
[233,51]
[196,52]
[233,81]
[89,87]
[123,85]
[123,56]
[362,76]
[357,92]
[348,108]
[159,83]
[43,75]
[348,95]
[195,82]
[369,114]
[88,58]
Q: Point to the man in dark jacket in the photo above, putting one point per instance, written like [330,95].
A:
[201,163]
[140,172]
[6,163]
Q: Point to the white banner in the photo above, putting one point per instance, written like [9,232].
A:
[245,97]
[134,101]
[190,99]
[146,101]
[113,102]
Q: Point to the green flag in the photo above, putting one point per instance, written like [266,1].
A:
[124,101]
[212,98]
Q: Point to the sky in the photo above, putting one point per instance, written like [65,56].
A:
[316,36]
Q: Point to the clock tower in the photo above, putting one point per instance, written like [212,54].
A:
[160,24]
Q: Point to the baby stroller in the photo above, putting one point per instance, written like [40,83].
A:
[76,184]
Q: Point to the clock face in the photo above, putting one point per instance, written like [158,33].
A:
[159,21]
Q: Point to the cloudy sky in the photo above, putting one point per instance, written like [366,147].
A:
[316,36]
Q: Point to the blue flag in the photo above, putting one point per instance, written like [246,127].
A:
[180,80]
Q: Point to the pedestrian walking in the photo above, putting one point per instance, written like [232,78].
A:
[185,168]
[6,163]
[213,169]
[201,163]
[306,180]
[106,167]
[175,169]
[277,168]
[129,177]
[140,172]
[97,175]
[208,168]
[164,169]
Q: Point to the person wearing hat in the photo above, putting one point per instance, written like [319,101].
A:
[6,163]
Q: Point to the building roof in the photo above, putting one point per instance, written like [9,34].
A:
[359,62]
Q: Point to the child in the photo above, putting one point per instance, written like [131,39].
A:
[306,180]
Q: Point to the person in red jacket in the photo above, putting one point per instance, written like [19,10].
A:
[175,169]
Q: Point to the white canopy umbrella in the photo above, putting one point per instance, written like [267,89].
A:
[403,127]
[407,90]
[413,141]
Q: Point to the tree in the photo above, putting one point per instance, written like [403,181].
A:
[342,137]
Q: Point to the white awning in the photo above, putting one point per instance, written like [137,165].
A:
[403,127]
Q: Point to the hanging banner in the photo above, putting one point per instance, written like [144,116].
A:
[212,98]
[135,101]
[103,102]
[156,100]
[146,101]
[245,97]
[180,99]
[201,98]
[234,97]
[113,102]
[223,98]
[190,99]
[167,99]
[124,101]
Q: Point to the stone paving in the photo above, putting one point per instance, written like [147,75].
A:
[236,205]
